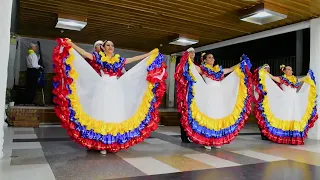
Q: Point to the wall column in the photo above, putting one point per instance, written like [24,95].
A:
[171,82]
[315,66]
[5,19]
[299,52]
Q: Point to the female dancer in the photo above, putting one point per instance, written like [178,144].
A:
[112,111]
[184,136]
[256,95]
[213,109]
[286,114]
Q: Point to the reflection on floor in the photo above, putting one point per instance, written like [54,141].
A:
[47,153]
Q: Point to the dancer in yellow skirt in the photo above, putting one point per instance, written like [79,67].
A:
[213,108]
[286,111]
[113,111]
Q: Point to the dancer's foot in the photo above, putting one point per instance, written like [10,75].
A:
[207,147]
[264,137]
[103,152]
[217,147]
[185,141]
[93,150]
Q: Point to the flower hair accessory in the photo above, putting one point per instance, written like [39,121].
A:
[201,59]
[265,66]
[282,66]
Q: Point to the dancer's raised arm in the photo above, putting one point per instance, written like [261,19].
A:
[275,78]
[303,78]
[229,70]
[140,57]
[80,50]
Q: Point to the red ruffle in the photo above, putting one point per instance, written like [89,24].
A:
[97,67]
[62,110]
[282,81]
[205,73]
[183,109]
[282,140]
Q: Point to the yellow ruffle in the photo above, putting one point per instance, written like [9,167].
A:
[112,60]
[288,124]
[291,79]
[30,51]
[225,122]
[100,126]
[215,68]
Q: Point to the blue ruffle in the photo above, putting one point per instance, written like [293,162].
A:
[115,67]
[296,85]
[216,75]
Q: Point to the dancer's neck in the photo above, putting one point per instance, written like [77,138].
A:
[108,55]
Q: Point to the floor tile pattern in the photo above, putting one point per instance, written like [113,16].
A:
[48,153]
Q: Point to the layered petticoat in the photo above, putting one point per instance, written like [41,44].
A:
[107,113]
[285,116]
[213,114]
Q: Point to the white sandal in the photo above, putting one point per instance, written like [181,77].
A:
[103,152]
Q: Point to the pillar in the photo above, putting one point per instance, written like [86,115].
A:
[315,66]
[5,19]
[12,58]
[171,82]
[299,52]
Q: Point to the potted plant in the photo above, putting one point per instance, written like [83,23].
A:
[9,97]
[9,103]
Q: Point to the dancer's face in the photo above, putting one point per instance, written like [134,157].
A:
[288,70]
[109,47]
[267,68]
[192,54]
[97,48]
[209,59]
[34,47]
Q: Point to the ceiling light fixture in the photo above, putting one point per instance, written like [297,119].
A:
[183,41]
[70,24]
[261,15]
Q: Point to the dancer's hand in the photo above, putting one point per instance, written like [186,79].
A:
[156,50]
[68,40]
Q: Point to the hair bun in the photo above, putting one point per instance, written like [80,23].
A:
[282,66]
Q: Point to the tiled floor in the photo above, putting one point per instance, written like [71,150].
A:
[47,153]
